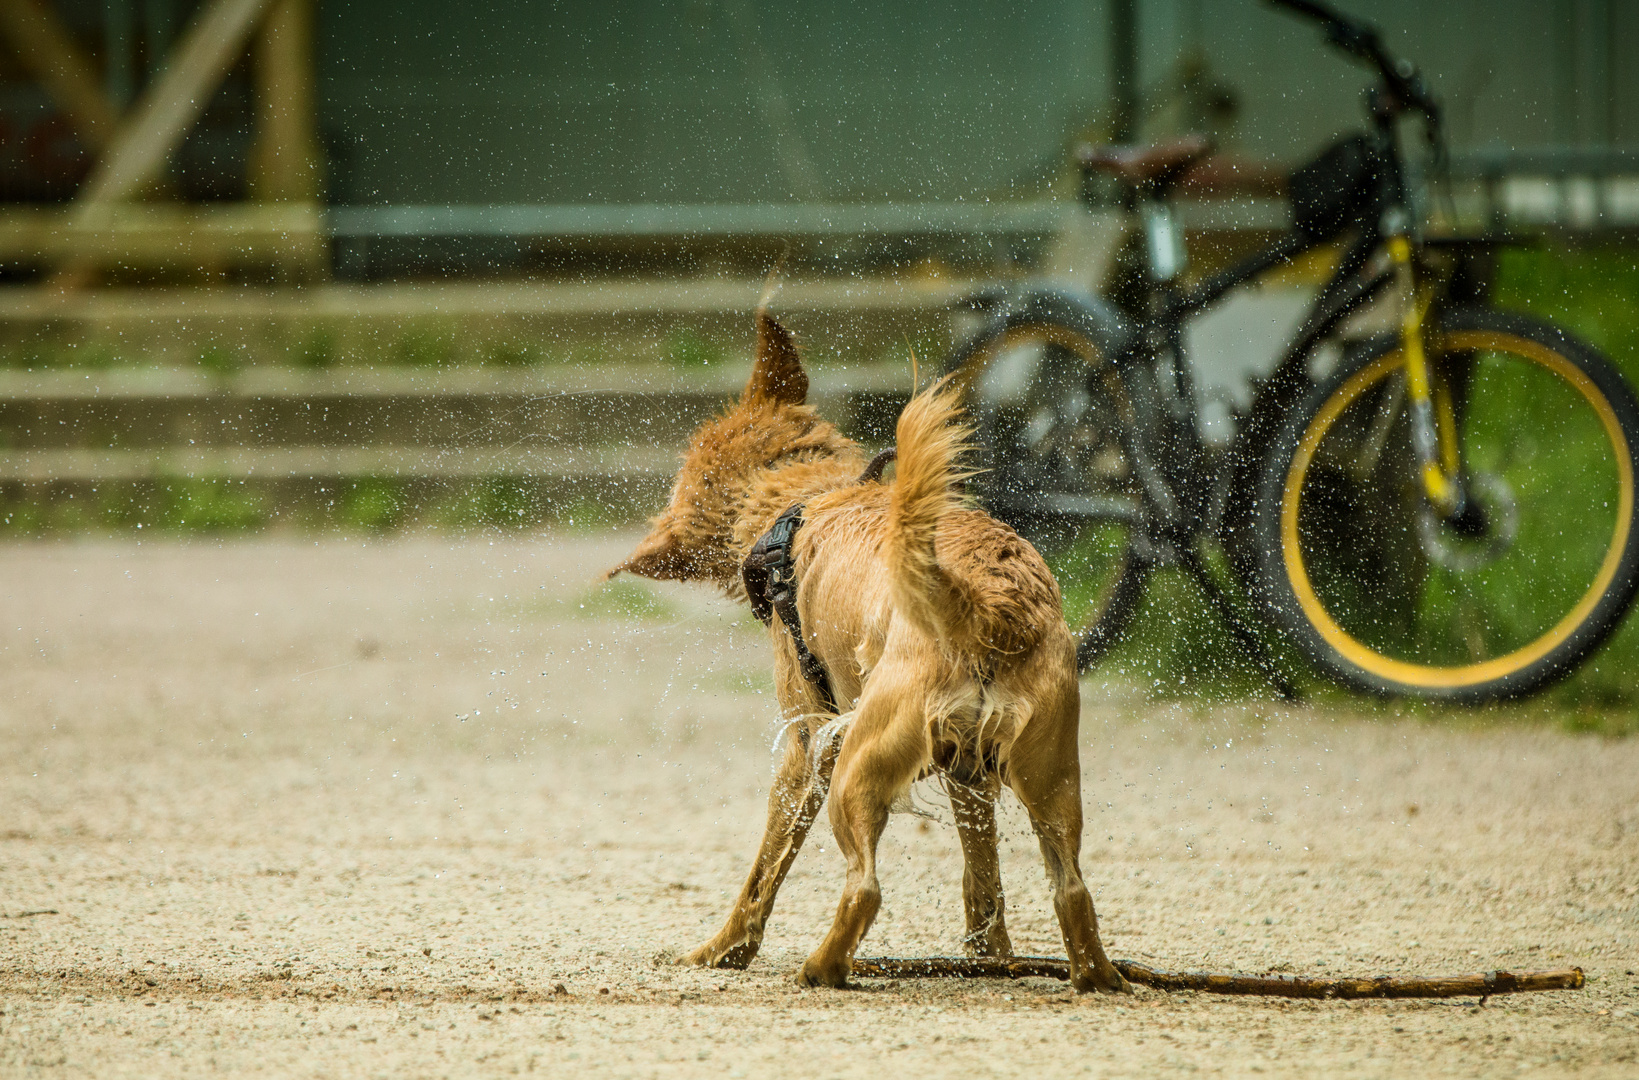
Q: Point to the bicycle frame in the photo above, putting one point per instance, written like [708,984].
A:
[1178,471]
[1085,410]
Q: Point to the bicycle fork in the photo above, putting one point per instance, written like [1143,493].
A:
[1433,413]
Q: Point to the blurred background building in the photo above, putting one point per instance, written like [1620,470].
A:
[411,213]
[730,103]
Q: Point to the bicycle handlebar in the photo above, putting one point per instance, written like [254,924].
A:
[1361,39]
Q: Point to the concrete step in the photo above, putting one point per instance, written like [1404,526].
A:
[611,300]
[125,425]
[615,463]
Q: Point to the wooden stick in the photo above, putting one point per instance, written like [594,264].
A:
[1480,984]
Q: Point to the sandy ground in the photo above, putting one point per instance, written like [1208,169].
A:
[361,808]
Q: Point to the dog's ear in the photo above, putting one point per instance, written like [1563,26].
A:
[660,556]
[777,375]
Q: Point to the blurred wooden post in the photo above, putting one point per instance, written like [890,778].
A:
[284,163]
[47,51]
[285,160]
[158,122]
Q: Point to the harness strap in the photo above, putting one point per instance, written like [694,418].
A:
[770,575]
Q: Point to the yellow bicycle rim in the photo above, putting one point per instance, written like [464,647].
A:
[1423,675]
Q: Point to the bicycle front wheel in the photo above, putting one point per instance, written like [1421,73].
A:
[1387,595]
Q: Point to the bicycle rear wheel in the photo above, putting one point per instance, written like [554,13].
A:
[1389,597]
[1051,420]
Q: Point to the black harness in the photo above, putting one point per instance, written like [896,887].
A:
[770,575]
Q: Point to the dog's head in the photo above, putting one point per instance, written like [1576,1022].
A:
[692,538]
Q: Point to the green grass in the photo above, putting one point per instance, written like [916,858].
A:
[427,345]
[507,502]
[1591,292]
[1177,647]
[624,598]
[220,361]
[175,505]
[49,354]
[373,504]
[370,504]
[498,502]
[510,354]
[686,349]
[316,350]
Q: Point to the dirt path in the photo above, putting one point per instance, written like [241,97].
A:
[357,808]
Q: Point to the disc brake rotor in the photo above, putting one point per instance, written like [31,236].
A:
[1446,548]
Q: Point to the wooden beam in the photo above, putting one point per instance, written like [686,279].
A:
[284,163]
[52,465]
[166,235]
[876,310]
[171,106]
[49,53]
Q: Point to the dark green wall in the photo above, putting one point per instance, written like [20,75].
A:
[629,101]
[643,101]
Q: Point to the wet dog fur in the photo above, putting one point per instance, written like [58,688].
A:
[946,644]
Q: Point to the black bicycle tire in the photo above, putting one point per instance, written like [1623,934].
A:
[1102,329]
[1280,598]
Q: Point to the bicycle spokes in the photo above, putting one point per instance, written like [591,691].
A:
[1540,477]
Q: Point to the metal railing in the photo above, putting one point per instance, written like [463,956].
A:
[1576,189]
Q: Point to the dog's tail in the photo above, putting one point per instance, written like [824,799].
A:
[931,440]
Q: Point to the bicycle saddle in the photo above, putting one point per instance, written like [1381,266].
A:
[1230,175]
[1156,166]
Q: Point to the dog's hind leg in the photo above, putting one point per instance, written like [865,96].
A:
[794,800]
[975,810]
[884,750]
[1044,770]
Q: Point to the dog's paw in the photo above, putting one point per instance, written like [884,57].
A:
[1122,986]
[813,974]
[992,943]
[712,955]
[1111,982]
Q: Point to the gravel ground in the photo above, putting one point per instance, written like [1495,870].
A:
[427,808]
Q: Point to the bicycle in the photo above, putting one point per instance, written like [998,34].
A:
[1447,514]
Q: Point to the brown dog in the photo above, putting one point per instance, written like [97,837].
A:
[938,624]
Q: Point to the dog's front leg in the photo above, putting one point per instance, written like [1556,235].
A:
[794,800]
